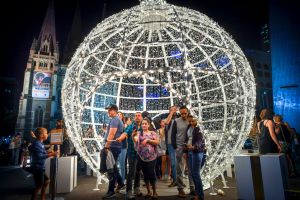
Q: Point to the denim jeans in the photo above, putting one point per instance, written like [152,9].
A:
[122,163]
[114,174]
[196,166]
[173,161]
[190,173]
[133,173]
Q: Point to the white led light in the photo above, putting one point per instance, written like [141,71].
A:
[153,56]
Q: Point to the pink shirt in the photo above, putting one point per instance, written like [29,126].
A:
[147,152]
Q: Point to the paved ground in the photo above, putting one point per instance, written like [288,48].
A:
[16,184]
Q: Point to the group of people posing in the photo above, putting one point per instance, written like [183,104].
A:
[276,136]
[179,139]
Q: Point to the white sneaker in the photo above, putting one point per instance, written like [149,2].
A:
[123,191]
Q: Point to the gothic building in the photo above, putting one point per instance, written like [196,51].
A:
[40,104]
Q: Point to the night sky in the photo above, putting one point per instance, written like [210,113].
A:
[243,19]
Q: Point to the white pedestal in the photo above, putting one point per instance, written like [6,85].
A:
[274,175]
[228,170]
[248,176]
[66,173]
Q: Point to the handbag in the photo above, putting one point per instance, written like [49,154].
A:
[284,144]
[158,147]
[103,167]
[159,150]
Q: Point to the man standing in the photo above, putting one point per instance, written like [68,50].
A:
[168,139]
[114,130]
[134,167]
[179,135]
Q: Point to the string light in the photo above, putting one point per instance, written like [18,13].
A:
[151,57]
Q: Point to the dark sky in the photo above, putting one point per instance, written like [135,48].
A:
[21,21]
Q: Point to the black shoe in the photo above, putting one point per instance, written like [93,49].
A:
[181,183]
[109,195]
[173,184]
[192,192]
[119,188]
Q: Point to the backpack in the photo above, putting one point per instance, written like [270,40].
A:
[68,147]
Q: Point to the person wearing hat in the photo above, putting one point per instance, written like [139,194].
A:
[113,131]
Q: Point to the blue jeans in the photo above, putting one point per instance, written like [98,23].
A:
[173,160]
[133,173]
[114,174]
[195,168]
[122,163]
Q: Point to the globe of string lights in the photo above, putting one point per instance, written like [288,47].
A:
[151,57]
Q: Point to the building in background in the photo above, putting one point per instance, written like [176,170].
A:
[9,95]
[74,39]
[285,56]
[40,102]
[260,62]
[265,38]
[40,79]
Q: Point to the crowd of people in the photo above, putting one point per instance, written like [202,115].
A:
[166,150]
[164,153]
[276,136]
[177,146]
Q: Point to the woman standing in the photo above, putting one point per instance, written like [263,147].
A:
[146,142]
[268,142]
[195,145]
[285,137]
[163,149]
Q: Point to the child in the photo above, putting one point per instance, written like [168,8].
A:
[38,158]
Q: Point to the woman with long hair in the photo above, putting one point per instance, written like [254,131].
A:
[195,145]
[163,155]
[146,142]
[268,142]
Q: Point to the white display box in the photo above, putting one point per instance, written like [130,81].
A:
[248,176]
[274,176]
[66,177]
[261,176]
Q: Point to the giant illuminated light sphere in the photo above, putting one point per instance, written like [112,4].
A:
[151,57]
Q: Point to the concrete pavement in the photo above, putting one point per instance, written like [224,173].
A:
[17,184]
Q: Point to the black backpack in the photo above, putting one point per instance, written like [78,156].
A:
[68,147]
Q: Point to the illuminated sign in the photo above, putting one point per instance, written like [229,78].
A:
[41,84]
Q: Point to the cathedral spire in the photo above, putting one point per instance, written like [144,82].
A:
[74,36]
[104,10]
[46,42]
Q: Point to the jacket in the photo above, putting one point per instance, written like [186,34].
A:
[197,140]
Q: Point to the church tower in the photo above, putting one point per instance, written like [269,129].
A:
[37,102]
